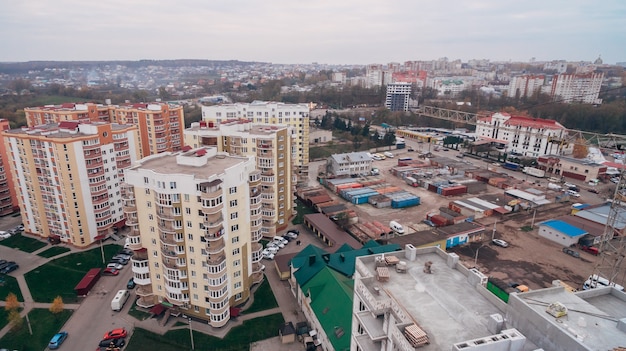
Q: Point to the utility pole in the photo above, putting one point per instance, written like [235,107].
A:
[532,224]
[191,335]
[493,234]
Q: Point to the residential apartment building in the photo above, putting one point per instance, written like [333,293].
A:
[271,148]
[263,112]
[582,88]
[572,168]
[525,85]
[67,177]
[398,96]
[160,124]
[8,198]
[195,221]
[522,135]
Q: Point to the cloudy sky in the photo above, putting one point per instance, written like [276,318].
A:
[324,31]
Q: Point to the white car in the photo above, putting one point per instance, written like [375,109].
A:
[115,266]
[271,249]
[569,185]
[281,240]
[269,256]
[573,193]
[4,235]
[500,242]
[388,154]
[291,235]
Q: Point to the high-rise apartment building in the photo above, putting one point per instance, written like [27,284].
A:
[272,113]
[195,221]
[160,124]
[525,85]
[8,198]
[581,88]
[67,177]
[271,148]
[398,96]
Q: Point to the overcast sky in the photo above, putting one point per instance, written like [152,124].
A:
[323,31]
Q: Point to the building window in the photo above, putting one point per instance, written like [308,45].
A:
[235,239]
[236,251]
[236,263]
[233,215]
[237,285]
[234,228]
[233,203]
[232,190]
[172,185]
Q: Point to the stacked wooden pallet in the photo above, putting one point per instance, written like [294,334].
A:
[416,336]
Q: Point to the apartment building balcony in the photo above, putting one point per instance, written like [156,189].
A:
[169,263]
[135,245]
[269,230]
[375,301]
[174,298]
[130,207]
[94,163]
[134,230]
[255,203]
[210,210]
[254,178]
[121,146]
[91,147]
[167,227]
[97,192]
[123,164]
[256,248]
[171,239]
[169,252]
[157,117]
[147,301]
[265,145]
[256,278]
[214,234]
[255,212]
[268,180]
[217,271]
[140,255]
[213,220]
[168,213]
[257,234]
[98,182]
[215,247]
[214,260]
[265,153]
[268,215]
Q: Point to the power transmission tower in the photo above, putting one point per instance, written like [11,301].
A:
[613,245]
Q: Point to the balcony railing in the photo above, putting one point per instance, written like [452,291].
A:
[215,259]
[215,247]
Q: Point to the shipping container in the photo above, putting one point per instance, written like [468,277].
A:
[454,190]
[379,201]
[407,202]
[439,220]
[89,280]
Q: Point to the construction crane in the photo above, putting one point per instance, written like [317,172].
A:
[613,246]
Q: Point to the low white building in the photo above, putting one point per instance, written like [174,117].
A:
[348,164]
[561,232]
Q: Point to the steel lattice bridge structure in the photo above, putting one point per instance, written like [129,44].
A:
[607,142]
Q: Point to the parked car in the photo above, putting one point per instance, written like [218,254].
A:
[280,239]
[290,235]
[271,249]
[410,149]
[126,257]
[571,252]
[615,180]
[119,260]
[593,190]
[115,334]
[4,264]
[591,249]
[278,244]
[57,340]
[131,283]
[268,255]
[115,265]
[10,268]
[127,252]
[500,242]
[20,228]
[569,185]
[4,235]
[119,342]
[110,271]
[573,193]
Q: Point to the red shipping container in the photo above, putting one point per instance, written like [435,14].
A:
[439,221]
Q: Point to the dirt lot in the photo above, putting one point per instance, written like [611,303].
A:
[529,259]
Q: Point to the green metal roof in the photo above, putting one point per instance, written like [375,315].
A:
[344,262]
[330,294]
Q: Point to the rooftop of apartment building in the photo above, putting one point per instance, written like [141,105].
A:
[71,106]
[595,319]
[580,161]
[447,307]
[238,125]
[200,163]
[66,129]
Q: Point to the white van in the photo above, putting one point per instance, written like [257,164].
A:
[396,227]
[119,300]
[388,154]
[599,281]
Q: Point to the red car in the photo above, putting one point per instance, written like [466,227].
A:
[110,271]
[115,334]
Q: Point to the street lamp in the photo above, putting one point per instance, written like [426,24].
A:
[101,238]
[191,335]
[478,249]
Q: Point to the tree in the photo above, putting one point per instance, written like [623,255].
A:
[15,320]
[11,303]
[57,305]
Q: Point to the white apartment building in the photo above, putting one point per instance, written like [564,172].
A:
[195,224]
[270,146]
[68,177]
[525,85]
[398,96]
[581,88]
[262,112]
[527,136]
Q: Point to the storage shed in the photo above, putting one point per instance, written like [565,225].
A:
[89,280]
[560,232]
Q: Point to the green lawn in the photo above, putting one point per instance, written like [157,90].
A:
[23,243]
[238,339]
[44,324]
[54,251]
[263,299]
[10,286]
[59,276]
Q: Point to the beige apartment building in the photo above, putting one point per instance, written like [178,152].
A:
[8,199]
[270,146]
[160,124]
[67,177]
[272,113]
[195,225]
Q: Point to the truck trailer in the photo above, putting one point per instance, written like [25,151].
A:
[536,172]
